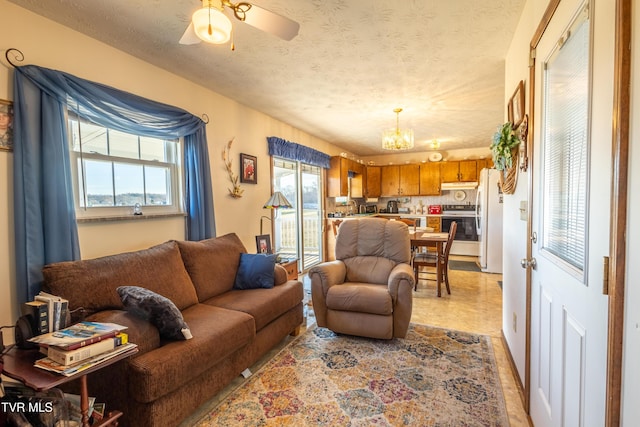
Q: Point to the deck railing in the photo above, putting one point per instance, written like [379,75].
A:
[288,236]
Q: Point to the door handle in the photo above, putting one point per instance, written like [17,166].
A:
[526,263]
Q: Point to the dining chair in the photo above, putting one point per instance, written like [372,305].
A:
[430,259]
[410,222]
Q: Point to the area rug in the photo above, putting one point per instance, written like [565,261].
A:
[463,265]
[433,377]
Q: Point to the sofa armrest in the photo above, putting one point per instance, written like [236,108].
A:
[279,275]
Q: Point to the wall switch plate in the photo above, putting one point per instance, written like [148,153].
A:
[524,214]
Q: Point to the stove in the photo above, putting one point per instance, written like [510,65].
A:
[459,210]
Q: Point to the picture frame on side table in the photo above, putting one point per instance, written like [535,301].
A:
[248,169]
[263,244]
[6,125]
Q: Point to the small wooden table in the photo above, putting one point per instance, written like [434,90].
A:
[422,238]
[18,364]
[291,266]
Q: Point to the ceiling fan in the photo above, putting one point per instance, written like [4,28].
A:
[212,25]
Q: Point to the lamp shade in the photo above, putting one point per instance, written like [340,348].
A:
[277,200]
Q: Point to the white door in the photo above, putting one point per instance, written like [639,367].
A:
[570,213]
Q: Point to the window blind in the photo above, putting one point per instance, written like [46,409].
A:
[566,139]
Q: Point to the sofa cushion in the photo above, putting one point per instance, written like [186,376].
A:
[159,310]
[265,305]
[92,283]
[217,333]
[255,271]
[212,263]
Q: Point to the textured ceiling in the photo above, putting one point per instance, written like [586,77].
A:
[351,64]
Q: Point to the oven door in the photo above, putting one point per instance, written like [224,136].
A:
[466,230]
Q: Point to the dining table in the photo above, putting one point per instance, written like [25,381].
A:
[429,239]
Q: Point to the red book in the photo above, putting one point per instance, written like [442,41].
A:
[89,341]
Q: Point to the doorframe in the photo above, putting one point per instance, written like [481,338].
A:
[618,222]
[615,276]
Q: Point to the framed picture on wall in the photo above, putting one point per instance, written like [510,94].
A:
[6,125]
[263,244]
[249,169]
[516,106]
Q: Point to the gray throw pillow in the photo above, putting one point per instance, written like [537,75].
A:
[159,310]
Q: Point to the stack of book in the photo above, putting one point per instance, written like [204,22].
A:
[81,346]
[47,313]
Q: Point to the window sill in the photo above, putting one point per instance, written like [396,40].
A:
[130,217]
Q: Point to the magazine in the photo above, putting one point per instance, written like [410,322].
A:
[68,370]
[79,334]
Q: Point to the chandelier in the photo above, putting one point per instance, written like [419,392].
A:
[397,139]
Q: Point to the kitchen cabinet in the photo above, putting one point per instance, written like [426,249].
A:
[402,180]
[372,181]
[459,171]
[338,177]
[430,179]
[484,163]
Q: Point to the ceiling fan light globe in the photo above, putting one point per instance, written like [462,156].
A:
[220,30]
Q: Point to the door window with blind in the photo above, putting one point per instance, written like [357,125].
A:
[298,231]
[565,131]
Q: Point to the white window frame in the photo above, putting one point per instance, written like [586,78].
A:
[176,193]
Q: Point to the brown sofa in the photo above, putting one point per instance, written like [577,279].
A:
[231,329]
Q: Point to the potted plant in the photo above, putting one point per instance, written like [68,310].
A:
[504,147]
[504,150]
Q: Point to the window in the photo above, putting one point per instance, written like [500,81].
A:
[114,171]
[566,143]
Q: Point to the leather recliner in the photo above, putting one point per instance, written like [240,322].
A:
[368,290]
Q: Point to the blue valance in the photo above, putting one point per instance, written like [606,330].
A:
[290,150]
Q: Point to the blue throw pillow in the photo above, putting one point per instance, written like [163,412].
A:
[255,271]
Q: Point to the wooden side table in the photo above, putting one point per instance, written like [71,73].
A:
[292,269]
[18,364]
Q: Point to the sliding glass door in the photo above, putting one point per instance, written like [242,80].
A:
[298,231]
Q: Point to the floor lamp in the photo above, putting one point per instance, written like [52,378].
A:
[276,201]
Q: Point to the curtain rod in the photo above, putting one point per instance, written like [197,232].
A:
[18,56]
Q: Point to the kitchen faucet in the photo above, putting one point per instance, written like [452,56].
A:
[352,206]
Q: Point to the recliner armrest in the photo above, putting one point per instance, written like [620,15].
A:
[330,273]
[401,275]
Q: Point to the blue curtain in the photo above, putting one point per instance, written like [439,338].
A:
[290,150]
[45,223]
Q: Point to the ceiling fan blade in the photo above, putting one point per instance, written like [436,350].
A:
[271,22]
[189,36]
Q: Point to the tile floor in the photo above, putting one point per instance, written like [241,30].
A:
[474,306]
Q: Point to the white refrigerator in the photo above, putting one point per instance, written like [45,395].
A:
[489,221]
